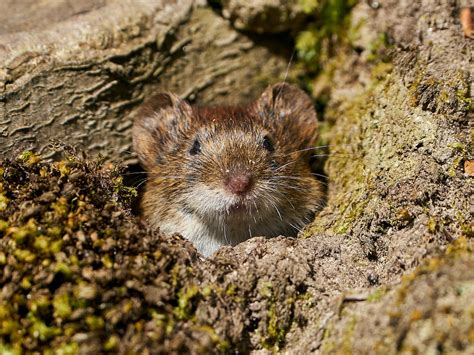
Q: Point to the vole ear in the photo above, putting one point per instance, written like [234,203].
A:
[159,120]
[287,102]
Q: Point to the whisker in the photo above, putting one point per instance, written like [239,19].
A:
[286,186]
[278,211]
[153,174]
[141,183]
[135,173]
[287,69]
[301,178]
[333,155]
[291,177]
[318,147]
[258,213]
[285,165]
[295,227]
[292,205]
[320,175]
[225,234]
[279,183]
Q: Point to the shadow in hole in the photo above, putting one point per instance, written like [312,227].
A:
[317,162]
[135,176]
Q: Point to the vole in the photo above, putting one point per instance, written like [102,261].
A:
[221,175]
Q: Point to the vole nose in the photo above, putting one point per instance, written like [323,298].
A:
[239,183]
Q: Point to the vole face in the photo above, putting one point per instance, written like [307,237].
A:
[233,172]
[222,175]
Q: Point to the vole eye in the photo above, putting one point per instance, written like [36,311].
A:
[196,148]
[267,144]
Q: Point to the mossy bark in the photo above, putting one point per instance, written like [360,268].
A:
[385,267]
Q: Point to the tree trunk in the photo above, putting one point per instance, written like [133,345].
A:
[75,71]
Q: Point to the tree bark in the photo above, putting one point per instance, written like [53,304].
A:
[75,71]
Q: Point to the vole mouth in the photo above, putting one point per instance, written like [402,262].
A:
[237,208]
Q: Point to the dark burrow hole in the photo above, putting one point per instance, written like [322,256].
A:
[135,176]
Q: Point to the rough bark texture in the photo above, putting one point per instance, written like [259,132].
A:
[264,16]
[386,267]
[75,71]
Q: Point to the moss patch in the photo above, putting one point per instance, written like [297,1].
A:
[79,274]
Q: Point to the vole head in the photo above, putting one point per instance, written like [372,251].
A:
[239,163]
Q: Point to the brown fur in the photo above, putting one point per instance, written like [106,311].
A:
[187,193]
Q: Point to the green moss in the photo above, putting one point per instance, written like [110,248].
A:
[275,333]
[317,39]
[449,97]
[61,305]
[206,291]
[95,322]
[454,166]
[352,212]
[230,291]
[30,158]
[71,348]
[460,150]
[3,202]
[61,207]
[276,328]
[59,262]
[432,225]
[348,336]
[3,225]
[39,304]
[220,344]
[466,228]
[107,261]
[41,331]
[126,191]
[23,233]
[63,268]
[404,214]
[41,243]
[186,297]
[459,247]
[348,174]
[25,255]
[414,89]
[463,96]
[377,294]
[309,6]
[458,147]
[380,44]
[265,289]
[112,343]
[25,283]
[8,350]
[380,71]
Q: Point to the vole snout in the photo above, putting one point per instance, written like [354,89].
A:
[239,183]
